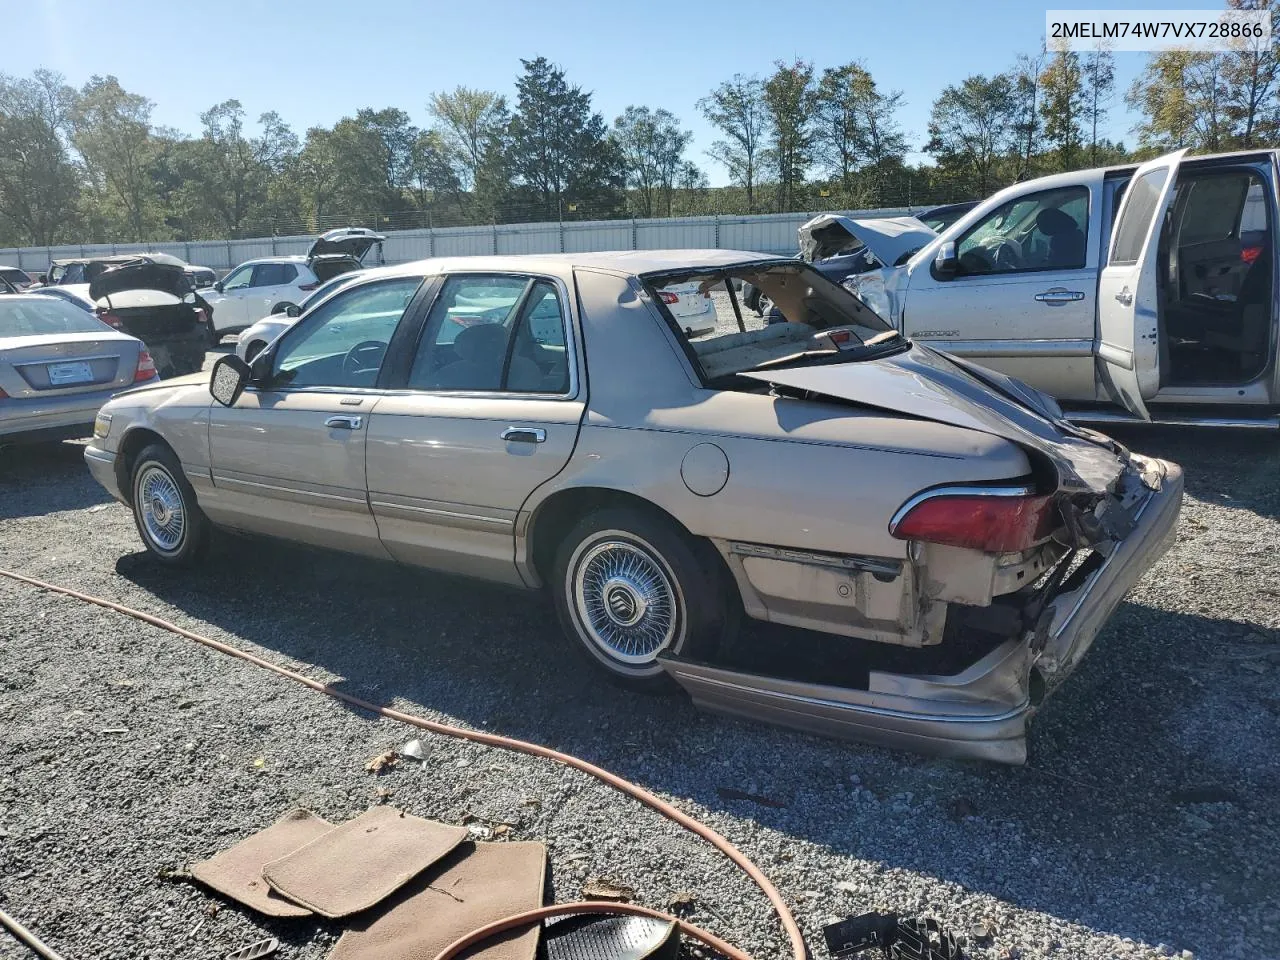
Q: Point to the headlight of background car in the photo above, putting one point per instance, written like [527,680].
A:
[101,425]
[869,288]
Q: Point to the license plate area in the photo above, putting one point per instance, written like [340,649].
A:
[69,374]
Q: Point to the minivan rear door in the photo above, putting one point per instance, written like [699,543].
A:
[1127,346]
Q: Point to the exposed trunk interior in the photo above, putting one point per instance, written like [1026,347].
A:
[158,322]
[1216,280]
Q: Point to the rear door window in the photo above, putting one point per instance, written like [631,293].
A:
[494,333]
[273,274]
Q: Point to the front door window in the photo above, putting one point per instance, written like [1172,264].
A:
[238,279]
[343,342]
[1043,231]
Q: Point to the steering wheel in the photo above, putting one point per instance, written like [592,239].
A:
[1007,255]
[365,357]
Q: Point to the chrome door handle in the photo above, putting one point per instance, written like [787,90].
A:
[1125,297]
[344,423]
[524,434]
[1059,295]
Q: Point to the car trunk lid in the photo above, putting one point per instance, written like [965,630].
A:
[142,275]
[922,383]
[354,242]
[53,365]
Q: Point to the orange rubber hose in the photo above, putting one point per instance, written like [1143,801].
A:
[789,925]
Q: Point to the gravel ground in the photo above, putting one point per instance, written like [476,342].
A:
[1145,824]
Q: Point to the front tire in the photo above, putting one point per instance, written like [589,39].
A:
[630,586]
[173,528]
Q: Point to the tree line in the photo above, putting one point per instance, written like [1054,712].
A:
[90,165]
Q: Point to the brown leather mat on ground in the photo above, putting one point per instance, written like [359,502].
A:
[237,872]
[476,885]
[361,862]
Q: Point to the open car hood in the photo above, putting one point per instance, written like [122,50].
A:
[887,237]
[345,241]
[141,275]
[920,382]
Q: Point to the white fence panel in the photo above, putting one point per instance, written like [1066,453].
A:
[767,233]
[684,233]
[405,246]
[463,242]
[524,238]
[598,235]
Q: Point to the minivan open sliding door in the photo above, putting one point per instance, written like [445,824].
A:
[1127,349]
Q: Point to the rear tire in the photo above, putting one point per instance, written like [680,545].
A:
[630,586]
[173,528]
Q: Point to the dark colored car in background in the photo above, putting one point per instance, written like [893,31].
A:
[939,218]
[155,302]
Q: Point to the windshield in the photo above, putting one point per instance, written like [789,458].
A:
[41,316]
[802,317]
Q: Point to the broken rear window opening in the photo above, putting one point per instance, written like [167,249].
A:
[805,318]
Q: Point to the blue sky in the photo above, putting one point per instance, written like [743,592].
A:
[317,61]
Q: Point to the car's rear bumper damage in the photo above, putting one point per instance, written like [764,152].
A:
[982,711]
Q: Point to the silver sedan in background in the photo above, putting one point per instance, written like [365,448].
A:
[58,365]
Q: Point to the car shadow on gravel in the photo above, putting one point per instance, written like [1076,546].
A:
[1131,778]
[40,478]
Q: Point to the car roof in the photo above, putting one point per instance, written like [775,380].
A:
[636,262]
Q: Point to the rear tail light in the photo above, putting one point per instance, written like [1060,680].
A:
[3,395]
[1250,254]
[109,318]
[669,297]
[146,369]
[308,286]
[991,520]
[200,315]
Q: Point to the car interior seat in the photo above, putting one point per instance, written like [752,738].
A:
[1066,239]
[1245,330]
[481,350]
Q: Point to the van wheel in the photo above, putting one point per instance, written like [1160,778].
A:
[169,520]
[630,586]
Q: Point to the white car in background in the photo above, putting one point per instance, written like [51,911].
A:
[259,288]
[257,336]
[693,309]
[19,279]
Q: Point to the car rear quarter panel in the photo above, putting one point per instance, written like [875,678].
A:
[815,476]
[748,468]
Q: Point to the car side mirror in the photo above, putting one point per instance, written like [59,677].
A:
[218,286]
[945,264]
[230,375]
[292,310]
[43,278]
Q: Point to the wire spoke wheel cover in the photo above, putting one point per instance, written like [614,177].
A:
[160,507]
[625,599]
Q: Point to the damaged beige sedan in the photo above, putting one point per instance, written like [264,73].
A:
[547,423]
